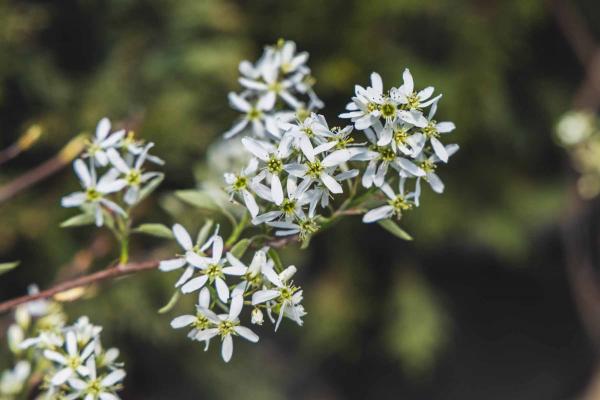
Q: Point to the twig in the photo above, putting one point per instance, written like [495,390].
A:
[55,164]
[106,274]
[27,140]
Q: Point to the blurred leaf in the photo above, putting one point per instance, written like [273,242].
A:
[158,230]
[197,198]
[79,220]
[8,266]
[204,232]
[276,259]
[172,301]
[150,187]
[240,248]
[394,229]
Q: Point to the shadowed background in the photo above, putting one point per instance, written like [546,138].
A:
[477,307]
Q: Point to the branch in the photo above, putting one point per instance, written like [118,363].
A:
[27,140]
[41,172]
[106,274]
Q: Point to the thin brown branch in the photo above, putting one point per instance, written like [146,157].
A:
[27,140]
[106,274]
[43,171]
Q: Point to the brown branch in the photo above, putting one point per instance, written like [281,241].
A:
[106,274]
[27,140]
[43,171]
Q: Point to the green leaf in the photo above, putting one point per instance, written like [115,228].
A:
[197,199]
[204,232]
[240,248]
[158,230]
[150,187]
[172,301]
[79,220]
[8,266]
[276,259]
[394,229]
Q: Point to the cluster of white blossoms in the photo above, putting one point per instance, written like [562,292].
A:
[223,281]
[301,175]
[69,358]
[113,179]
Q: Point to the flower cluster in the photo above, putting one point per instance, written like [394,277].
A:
[71,359]
[276,87]
[401,136]
[209,270]
[123,182]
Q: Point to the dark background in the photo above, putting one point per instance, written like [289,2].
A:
[479,306]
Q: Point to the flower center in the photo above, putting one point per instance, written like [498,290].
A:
[388,110]
[274,165]
[201,322]
[428,166]
[134,177]
[241,182]
[94,387]
[386,154]
[314,169]
[371,107]
[400,135]
[92,195]
[73,362]
[226,328]
[214,271]
[413,102]
[309,132]
[400,204]
[431,130]
[307,228]
[254,114]
[288,206]
[275,87]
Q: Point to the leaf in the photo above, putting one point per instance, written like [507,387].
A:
[158,230]
[8,266]
[204,232]
[150,187]
[197,199]
[394,229]
[276,259]
[172,301]
[240,248]
[79,220]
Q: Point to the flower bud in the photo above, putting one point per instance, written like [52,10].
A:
[257,316]
[15,337]
[287,273]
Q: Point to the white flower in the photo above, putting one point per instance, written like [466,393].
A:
[227,326]
[312,128]
[406,94]
[292,204]
[198,322]
[239,184]
[72,362]
[362,110]
[431,132]
[429,165]
[12,382]
[103,141]
[185,241]
[397,203]
[136,147]
[95,387]
[212,269]
[95,191]
[274,158]
[133,175]
[254,114]
[285,295]
[257,316]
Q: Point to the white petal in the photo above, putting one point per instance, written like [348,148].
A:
[61,376]
[207,334]
[183,237]
[331,183]
[444,127]
[250,203]
[264,295]
[117,161]
[238,102]
[336,158]
[376,82]
[255,148]
[194,284]
[276,190]
[83,173]
[435,182]
[113,377]
[173,264]
[439,149]
[235,308]
[246,333]
[182,321]
[409,85]
[376,214]
[73,200]
[222,289]
[227,348]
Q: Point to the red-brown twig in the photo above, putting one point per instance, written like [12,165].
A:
[55,164]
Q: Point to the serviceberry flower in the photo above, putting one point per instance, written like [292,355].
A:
[103,141]
[397,203]
[95,191]
[94,387]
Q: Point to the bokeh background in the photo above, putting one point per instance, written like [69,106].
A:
[482,305]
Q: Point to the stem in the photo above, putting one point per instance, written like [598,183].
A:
[124,250]
[238,229]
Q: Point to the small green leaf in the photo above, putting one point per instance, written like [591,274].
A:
[172,301]
[276,259]
[394,229]
[5,267]
[240,248]
[150,187]
[197,199]
[79,220]
[158,230]
[204,232]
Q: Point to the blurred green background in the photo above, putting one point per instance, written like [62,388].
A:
[477,307]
